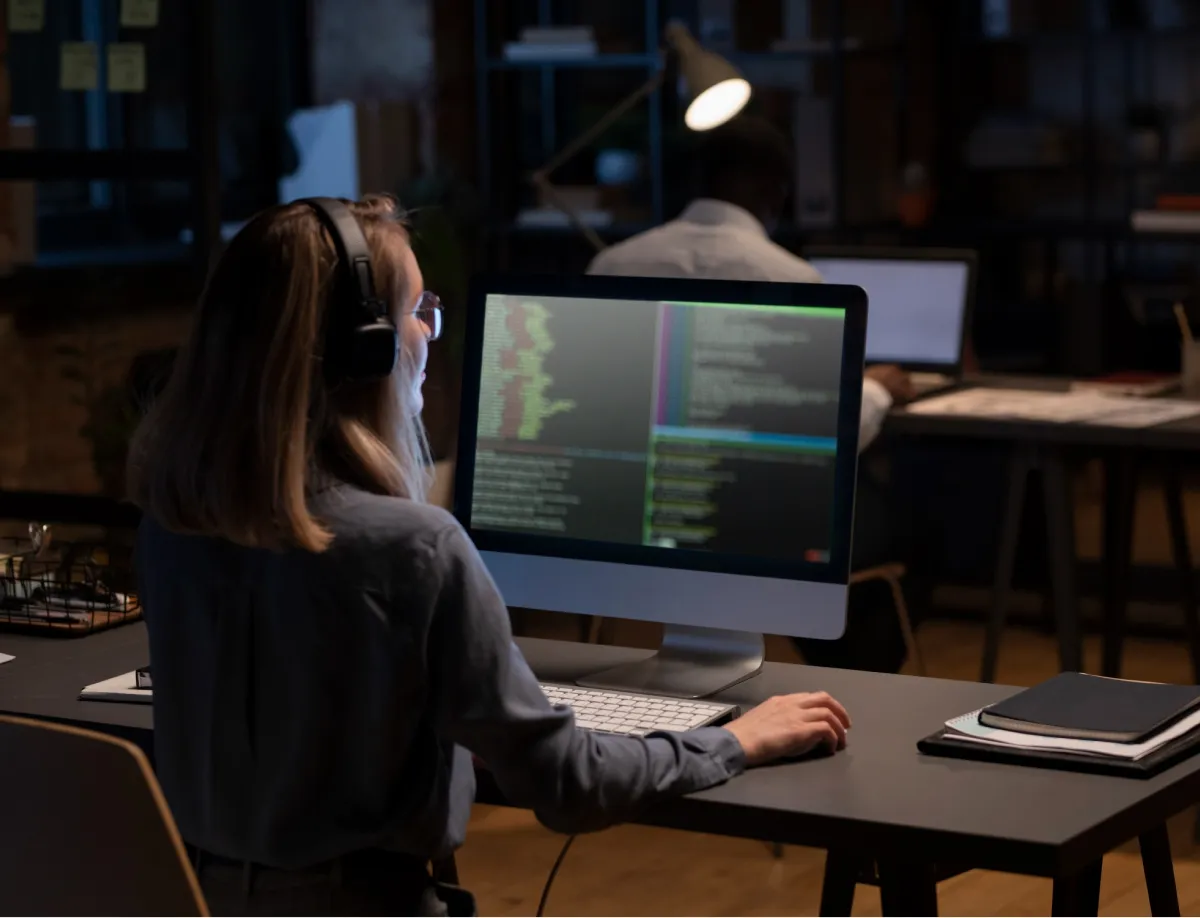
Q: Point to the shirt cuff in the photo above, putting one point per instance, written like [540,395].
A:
[722,747]
[874,393]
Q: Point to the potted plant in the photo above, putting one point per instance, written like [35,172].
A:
[110,415]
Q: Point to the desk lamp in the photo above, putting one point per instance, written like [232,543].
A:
[716,91]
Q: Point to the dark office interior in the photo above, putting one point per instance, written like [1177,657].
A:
[1055,142]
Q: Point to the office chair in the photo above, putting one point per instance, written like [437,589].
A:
[85,828]
[891,574]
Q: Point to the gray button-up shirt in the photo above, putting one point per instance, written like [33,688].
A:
[306,706]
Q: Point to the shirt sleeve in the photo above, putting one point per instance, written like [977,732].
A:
[876,403]
[599,264]
[485,698]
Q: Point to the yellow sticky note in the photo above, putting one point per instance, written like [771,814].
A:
[139,14]
[127,67]
[26,15]
[79,66]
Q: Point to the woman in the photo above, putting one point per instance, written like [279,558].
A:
[327,649]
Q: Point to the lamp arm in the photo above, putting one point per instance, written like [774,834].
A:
[596,130]
[556,199]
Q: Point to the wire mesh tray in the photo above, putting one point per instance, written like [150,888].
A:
[64,588]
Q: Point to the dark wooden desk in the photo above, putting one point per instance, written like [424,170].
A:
[1048,449]
[878,802]
[44,679]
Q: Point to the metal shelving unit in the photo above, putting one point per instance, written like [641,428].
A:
[487,63]
[503,232]
[962,53]
[197,164]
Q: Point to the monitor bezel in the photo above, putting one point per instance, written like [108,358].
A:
[917,253]
[851,300]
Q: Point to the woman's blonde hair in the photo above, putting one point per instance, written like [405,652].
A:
[248,425]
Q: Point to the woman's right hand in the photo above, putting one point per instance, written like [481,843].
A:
[790,725]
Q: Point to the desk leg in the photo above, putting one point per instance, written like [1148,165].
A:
[841,878]
[1019,468]
[907,887]
[1120,492]
[445,870]
[1078,894]
[1182,553]
[1060,523]
[1160,872]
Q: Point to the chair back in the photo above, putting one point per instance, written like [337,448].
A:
[85,829]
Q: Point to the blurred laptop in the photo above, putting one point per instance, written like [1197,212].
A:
[919,306]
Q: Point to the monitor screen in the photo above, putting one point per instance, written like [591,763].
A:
[918,306]
[702,426]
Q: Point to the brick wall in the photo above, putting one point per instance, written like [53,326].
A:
[42,446]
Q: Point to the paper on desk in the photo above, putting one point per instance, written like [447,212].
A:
[1147,412]
[118,688]
[1086,407]
[5,657]
[969,728]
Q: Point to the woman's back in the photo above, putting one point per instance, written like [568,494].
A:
[291,688]
[325,656]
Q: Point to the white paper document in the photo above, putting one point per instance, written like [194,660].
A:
[5,657]
[1147,412]
[968,729]
[1078,407]
[118,688]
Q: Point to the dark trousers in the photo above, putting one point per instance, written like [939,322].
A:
[363,883]
[873,639]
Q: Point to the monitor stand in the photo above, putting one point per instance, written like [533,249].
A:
[691,663]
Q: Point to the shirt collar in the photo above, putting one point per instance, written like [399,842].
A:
[711,212]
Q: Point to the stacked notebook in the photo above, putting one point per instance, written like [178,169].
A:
[1082,723]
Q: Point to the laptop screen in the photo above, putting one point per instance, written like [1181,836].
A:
[916,307]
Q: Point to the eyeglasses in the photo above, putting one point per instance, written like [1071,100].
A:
[428,312]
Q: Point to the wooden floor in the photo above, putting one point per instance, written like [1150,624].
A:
[632,870]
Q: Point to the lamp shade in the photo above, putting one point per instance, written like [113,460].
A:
[716,90]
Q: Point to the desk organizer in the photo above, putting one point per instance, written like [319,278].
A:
[61,588]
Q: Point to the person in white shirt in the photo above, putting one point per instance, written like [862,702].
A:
[744,172]
[743,176]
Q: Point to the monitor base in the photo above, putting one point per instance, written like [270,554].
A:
[691,663]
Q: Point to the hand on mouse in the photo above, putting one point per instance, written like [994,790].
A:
[791,725]
[897,382]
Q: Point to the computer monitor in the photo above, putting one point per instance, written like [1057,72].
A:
[921,301]
[679,451]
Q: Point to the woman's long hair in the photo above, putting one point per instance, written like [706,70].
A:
[248,425]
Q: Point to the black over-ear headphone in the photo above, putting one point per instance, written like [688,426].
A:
[361,340]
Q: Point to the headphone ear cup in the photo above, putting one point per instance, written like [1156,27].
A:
[374,351]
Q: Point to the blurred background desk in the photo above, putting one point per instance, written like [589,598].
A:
[1051,449]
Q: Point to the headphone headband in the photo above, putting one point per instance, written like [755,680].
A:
[361,340]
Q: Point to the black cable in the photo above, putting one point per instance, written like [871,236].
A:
[553,873]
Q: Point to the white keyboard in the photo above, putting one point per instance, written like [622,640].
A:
[635,715]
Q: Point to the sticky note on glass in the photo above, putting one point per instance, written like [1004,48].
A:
[79,66]
[139,14]
[127,67]
[26,15]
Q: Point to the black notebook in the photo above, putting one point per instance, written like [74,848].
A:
[1079,706]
